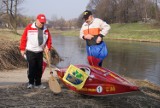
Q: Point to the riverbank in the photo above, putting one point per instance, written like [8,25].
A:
[133,32]
[13,93]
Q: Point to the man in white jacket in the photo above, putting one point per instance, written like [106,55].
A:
[35,39]
[93,30]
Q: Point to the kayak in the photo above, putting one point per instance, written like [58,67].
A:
[100,82]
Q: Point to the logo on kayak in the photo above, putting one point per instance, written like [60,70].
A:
[75,77]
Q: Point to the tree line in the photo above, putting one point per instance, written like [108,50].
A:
[111,11]
[11,18]
[125,11]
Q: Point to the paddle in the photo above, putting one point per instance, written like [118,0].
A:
[53,83]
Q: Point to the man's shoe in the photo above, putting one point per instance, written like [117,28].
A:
[30,86]
[40,86]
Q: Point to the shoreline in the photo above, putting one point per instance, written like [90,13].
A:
[16,94]
[19,76]
[141,32]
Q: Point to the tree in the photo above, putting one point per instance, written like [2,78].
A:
[125,11]
[10,12]
[93,4]
[106,10]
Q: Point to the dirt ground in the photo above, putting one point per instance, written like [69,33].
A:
[13,92]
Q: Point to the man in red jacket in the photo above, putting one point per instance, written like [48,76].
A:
[35,39]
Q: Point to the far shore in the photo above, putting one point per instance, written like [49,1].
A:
[133,32]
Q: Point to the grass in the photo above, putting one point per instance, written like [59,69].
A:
[132,31]
[139,32]
[6,34]
[71,33]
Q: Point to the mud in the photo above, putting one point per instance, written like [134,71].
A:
[20,97]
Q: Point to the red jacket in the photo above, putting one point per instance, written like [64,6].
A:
[29,39]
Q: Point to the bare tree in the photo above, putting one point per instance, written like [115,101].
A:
[125,11]
[53,21]
[10,12]
[106,10]
[58,23]
[157,3]
[71,24]
[93,4]
[80,20]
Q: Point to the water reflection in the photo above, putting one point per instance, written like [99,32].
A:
[135,59]
[71,49]
[138,60]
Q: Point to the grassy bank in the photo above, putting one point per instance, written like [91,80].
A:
[6,34]
[134,31]
[139,32]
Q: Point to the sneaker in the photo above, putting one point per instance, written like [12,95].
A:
[30,86]
[40,86]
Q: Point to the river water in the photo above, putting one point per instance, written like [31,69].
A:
[139,60]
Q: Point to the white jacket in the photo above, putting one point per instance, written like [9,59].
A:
[29,39]
[96,27]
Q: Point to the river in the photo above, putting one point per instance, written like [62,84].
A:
[138,60]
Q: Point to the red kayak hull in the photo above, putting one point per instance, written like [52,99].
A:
[100,82]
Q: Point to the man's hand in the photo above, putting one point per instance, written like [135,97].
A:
[99,39]
[22,53]
[88,36]
[46,50]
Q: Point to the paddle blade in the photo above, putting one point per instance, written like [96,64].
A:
[54,85]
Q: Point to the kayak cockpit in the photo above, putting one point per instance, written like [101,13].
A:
[86,70]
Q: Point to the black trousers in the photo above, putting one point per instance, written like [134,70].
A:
[35,63]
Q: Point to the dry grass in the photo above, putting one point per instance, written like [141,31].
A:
[10,57]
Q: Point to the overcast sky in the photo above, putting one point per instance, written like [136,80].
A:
[67,9]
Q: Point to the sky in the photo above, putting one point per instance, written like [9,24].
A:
[68,9]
